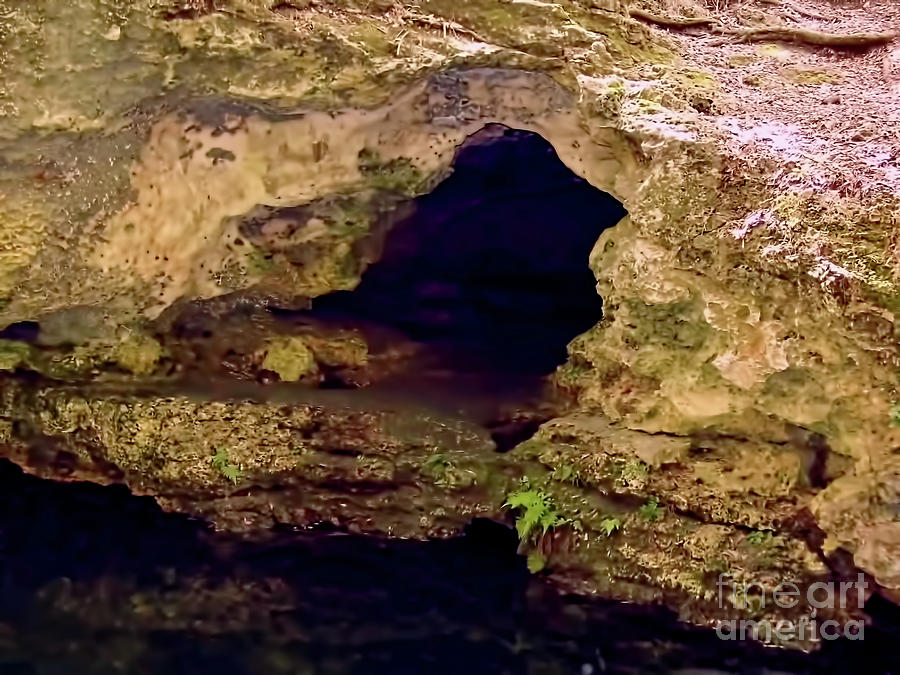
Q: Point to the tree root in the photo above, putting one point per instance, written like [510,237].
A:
[804,36]
[671,22]
[814,37]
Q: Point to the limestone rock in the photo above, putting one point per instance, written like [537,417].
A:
[159,154]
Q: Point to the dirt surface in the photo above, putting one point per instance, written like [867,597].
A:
[831,113]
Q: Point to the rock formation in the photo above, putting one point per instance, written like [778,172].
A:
[182,180]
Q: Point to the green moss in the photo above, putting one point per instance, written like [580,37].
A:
[673,325]
[437,464]
[340,352]
[350,217]
[633,472]
[393,175]
[571,373]
[532,448]
[13,354]
[138,354]
[608,102]
[718,565]
[759,538]
[895,414]
[808,76]
[258,263]
[445,473]
[739,60]
[290,357]
[698,78]
[78,361]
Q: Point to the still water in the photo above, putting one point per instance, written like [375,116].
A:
[95,580]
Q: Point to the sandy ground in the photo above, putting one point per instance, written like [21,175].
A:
[833,114]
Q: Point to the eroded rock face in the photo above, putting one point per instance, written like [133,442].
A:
[250,465]
[741,378]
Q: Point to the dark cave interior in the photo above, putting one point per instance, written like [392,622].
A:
[490,269]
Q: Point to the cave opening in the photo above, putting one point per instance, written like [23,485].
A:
[489,271]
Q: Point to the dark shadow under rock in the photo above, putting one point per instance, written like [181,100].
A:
[490,270]
[97,581]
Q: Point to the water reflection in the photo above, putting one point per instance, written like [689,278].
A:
[95,580]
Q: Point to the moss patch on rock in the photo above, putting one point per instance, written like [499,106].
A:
[290,357]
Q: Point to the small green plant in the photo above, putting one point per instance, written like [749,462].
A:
[651,511]
[566,473]
[436,465]
[222,463]
[759,538]
[609,525]
[536,510]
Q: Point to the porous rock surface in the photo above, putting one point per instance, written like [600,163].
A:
[154,154]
